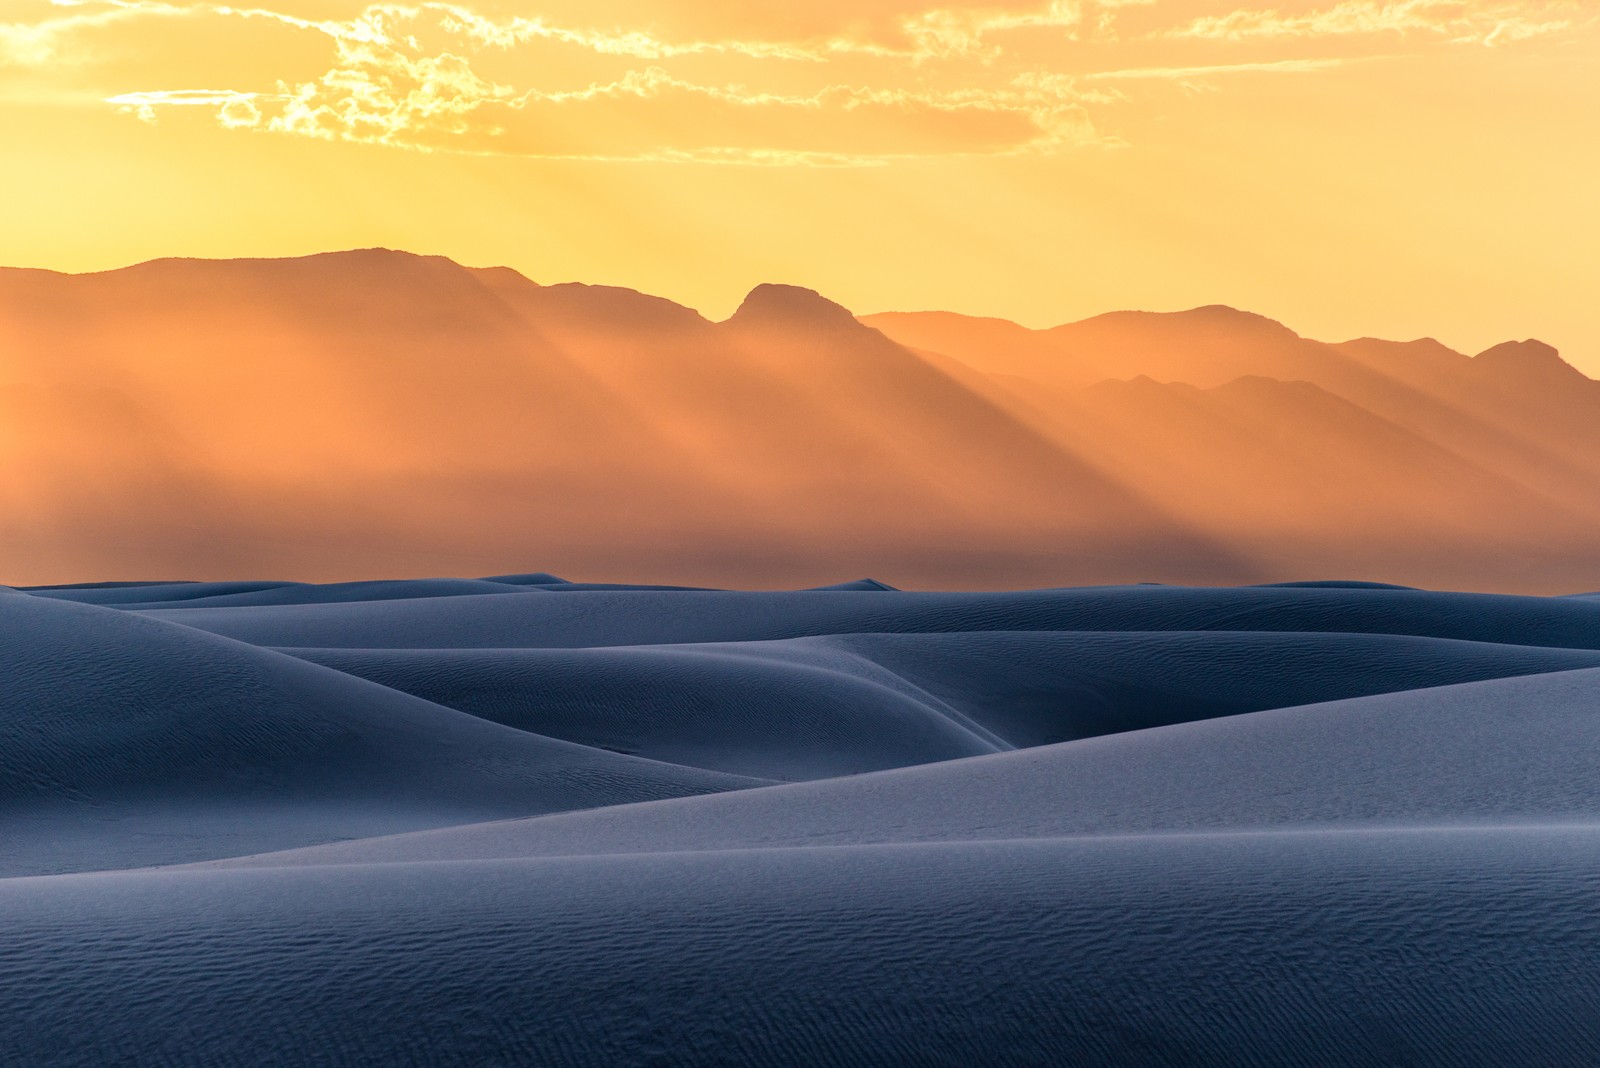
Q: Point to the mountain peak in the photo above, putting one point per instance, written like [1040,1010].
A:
[771,304]
[1214,319]
[349,256]
[1524,358]
[375,253]
[1529,348]
[1235,318]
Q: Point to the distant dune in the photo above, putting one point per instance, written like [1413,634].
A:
[520,820]
[364,414]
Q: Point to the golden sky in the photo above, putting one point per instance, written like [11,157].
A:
[1391,167]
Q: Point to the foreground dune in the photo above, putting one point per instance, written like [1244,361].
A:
[516,820]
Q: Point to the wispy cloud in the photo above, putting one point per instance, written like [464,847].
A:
[1278,66]
[1463,21]
[946,32]
[233,109]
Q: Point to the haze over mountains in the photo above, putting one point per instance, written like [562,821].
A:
[371,413]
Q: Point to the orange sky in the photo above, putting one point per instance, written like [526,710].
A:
[1389,167]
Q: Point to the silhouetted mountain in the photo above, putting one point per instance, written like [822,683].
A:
[376,412]
[780,307]
[1526,358]
[1525,420]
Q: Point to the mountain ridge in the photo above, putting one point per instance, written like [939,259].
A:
[1210,313]
[420,416]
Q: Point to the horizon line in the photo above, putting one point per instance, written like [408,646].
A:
[1214,306]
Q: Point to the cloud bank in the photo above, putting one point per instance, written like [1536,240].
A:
[876,83]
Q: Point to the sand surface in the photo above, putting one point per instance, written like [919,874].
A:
[514,820]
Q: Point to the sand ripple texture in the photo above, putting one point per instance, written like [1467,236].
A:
[523,821]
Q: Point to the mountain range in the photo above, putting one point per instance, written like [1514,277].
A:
[365,413]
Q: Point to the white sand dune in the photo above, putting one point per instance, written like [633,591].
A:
[1516,751]
[979,691]
[517,820]
[820,713]
[1379,947]
[652,618]
[134,742]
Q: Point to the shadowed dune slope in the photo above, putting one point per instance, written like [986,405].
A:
[892,695]
[813,715]
[136,742]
